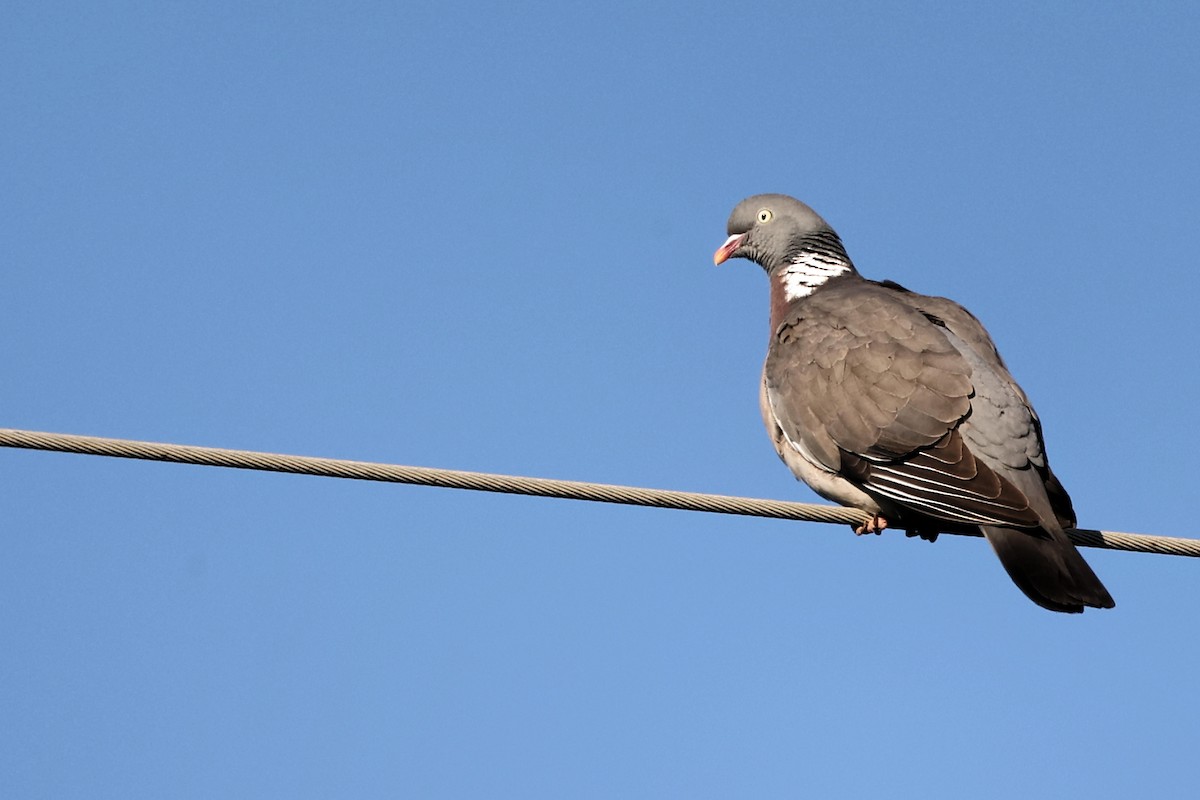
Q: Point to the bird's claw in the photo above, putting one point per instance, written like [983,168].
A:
[875,525]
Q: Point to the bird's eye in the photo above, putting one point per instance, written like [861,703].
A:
[765,216]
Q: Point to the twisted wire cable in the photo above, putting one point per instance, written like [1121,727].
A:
[515,484]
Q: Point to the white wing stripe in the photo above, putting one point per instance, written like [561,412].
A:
[918,483]
[938,509]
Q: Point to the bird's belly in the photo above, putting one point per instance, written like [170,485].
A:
[828,484]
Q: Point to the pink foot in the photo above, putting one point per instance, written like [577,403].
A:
[874,525]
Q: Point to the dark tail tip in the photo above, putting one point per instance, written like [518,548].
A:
[1048,569]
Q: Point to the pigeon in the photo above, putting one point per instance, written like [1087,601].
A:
[900,405]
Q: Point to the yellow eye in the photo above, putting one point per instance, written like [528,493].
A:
[765,216]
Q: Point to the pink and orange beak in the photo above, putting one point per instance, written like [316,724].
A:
[726,250]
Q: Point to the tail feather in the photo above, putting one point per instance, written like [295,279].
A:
[1046,566]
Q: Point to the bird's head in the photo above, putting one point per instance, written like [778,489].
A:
[770,229]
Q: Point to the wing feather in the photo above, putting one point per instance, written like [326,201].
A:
[876,391]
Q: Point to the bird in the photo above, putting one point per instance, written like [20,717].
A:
[900,405]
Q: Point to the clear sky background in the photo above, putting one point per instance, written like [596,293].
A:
[480,237]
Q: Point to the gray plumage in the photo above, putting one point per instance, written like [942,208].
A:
[899,404]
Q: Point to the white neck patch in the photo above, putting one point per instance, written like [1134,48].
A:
[808,271]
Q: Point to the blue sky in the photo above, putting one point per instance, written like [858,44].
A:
[480,238]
